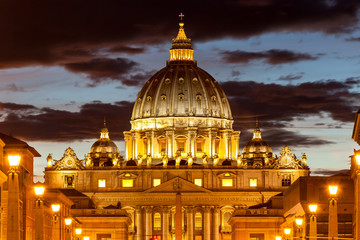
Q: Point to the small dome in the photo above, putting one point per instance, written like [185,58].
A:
[103,151]
[257,152]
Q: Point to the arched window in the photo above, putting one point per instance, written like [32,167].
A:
[198,221]
[157,221]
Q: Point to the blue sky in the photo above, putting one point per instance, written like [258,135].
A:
[294,66]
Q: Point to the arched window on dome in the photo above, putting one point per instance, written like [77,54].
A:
[198,221]
[157,221]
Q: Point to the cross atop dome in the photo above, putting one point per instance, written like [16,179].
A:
[181,45]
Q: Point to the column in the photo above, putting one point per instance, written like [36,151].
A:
[139,223]
[127,138]
[148,222]
[39,220]
[134,146]
[313,227]
[216,218]
[213,144]
[148,143]
[169,144]
[190,222]
[178,218]
[152,144]
[165,222]
[207,223]
[333,219]
[13,218]
[236,143]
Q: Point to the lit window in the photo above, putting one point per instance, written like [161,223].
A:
[157,221]
[156,182]
[198,221]
[127,183]
[199,146]
[253,182]
[181,146]
[127,174]
[101,183]
[227,174]
[198,181]
[227,182]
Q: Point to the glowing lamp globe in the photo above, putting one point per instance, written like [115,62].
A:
[14,160]
[68,221]
[278,238]
[39,189]
[86,238]
[55,207]
[357,158]
[333,190]
[299,221]
[313,208]
[78,231]
[287,231]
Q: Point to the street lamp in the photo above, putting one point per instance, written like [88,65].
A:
[86,238]
[299,222]
[56,232]
[39,190]
[68,222]
[13,218]
[313,222]
[357,194]
[277,237]
[333,218]
[287,232]
[78,232]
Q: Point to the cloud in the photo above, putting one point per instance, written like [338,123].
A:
[353,39]
[127,49]
[279,104]
[50,33]
[273,56]
[291,77]
[12,87]
[329,172]
[107,69]
[46,124]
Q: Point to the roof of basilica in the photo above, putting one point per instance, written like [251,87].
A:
[181,89]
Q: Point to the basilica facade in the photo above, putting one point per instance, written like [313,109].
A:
[183,173]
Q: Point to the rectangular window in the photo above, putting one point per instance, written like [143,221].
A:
[127,183]
[156,182]
[253,182]
[286,180]
[198,181]
[101,183]
[162,146]
[199,146]
[181,146]
[227,182]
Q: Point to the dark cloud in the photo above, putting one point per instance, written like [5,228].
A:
[279,104]
[273,56]
[127,49]
[47,124]
[12,87]
[106,69]
[353,39]
[330,172]
[50,32]
[291,77]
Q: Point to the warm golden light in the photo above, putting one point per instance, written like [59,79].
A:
[299,221]
[39,189]
[278,238]
[333,190]
[55,207]
[127,183]
[156,182]
[253,182]
[86,238]
[68,221]
[14,160]
[227,182]
[287,231]
[78,231]
[198,181]
[313,208]
[357,158]
[101,183]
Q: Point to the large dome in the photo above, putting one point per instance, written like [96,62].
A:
[181,90]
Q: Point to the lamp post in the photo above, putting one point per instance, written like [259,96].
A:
[287,232]
[13,218]
[68,222]
[313,222]
[56,232]
[299,222]
[333,218]
[78,232]
[39,190]
[357,195]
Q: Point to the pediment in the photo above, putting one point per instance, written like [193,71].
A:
[177,184]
